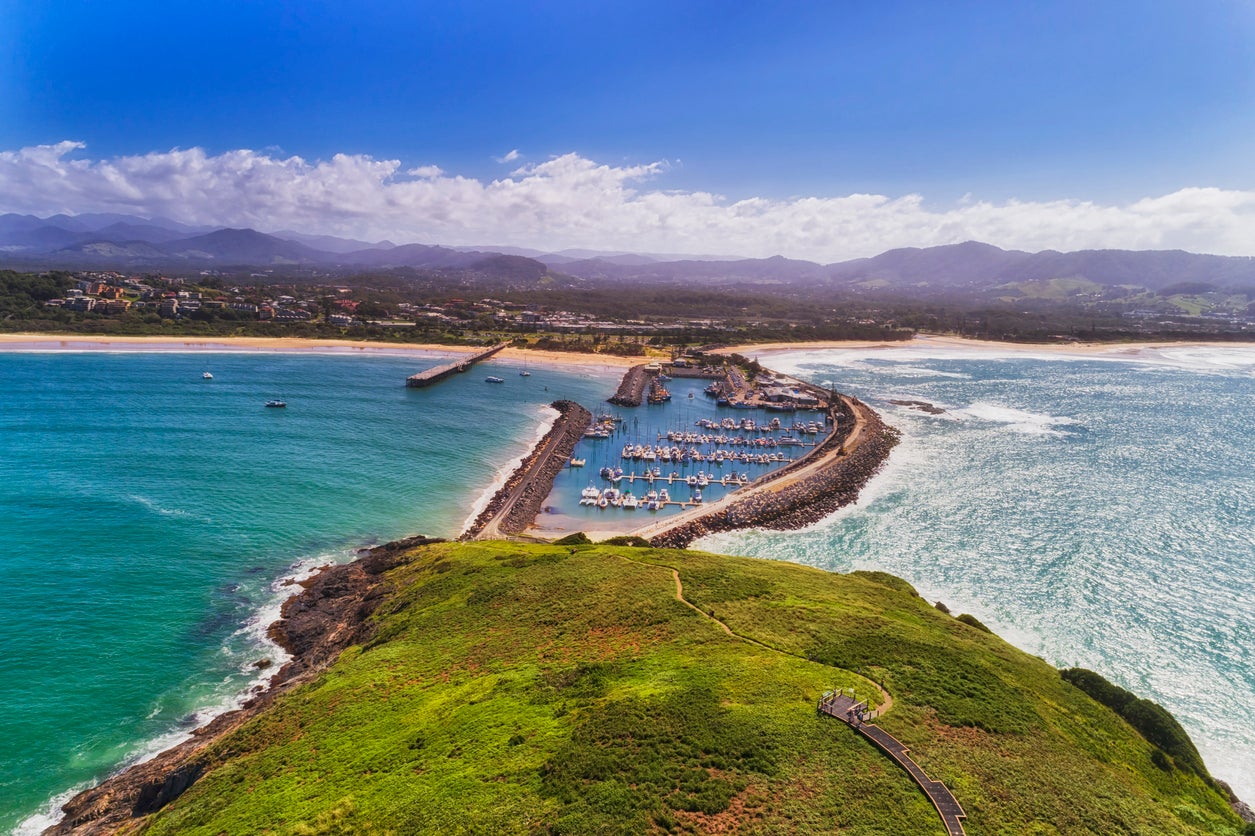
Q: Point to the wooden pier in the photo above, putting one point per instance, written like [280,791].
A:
[439,373]
[856,715]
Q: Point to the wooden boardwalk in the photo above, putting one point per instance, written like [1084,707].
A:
[855,714]
[439,373]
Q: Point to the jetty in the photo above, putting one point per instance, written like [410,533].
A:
[462,364]
[514,507]
[632,387]
[856,715]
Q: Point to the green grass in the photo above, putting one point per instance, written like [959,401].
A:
[535,689]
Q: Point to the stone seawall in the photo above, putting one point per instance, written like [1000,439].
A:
[514,507]
[631,389]
[804,501]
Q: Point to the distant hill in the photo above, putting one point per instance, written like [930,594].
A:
[245,247]
[970,268]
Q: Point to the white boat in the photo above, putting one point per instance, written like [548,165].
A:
[629,502]
[663,496]
[207,376]
[491,379]
[525,373]
[589,495]
[697,496]
[276,404]
[576,462]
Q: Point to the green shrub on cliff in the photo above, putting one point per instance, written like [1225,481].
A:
[1151,719]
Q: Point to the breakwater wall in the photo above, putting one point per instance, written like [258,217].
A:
[631,389]
[806,499]
[514,507]
[439,373]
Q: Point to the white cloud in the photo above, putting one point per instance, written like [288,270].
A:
[571,201]
[510,156]
[426,171]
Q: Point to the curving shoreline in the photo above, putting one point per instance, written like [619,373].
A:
[331,612]
[328,609]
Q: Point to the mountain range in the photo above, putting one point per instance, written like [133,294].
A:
[129,242]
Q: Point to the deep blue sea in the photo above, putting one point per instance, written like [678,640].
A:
[148,517]
[1095,512]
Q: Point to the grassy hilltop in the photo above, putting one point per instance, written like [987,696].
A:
[520,689]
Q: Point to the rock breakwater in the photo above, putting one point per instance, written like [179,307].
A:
[514,507]
[808,498]
[631,389]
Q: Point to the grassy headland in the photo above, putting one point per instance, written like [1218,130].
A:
[506,687]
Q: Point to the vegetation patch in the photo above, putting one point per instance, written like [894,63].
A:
[632,763]
[1151,719]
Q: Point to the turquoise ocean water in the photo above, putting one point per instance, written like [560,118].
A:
[1095,512]
[146,516]
[1098,513]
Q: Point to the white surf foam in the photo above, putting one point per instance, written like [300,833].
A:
[549,417]
[255,631]
[1211,357]
[1017,420]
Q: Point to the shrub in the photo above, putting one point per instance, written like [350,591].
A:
[579,538]
[973,621]
[627,540]
[1151,720]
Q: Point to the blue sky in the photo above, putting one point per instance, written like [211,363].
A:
[1103,103]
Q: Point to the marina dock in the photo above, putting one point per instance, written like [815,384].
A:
[439,373]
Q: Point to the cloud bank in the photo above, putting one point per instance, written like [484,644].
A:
[571,201]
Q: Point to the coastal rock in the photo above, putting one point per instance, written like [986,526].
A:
[631,389]
[330,614]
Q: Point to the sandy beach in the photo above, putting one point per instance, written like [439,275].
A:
[925,341]
[89,342]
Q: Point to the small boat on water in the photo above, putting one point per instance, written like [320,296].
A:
[276,404]
[207,376]
[576,462]
[492,379]
[525,373]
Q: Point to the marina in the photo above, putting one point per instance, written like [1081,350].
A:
[687,446]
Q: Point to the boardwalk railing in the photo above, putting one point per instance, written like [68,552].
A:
[856,714]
